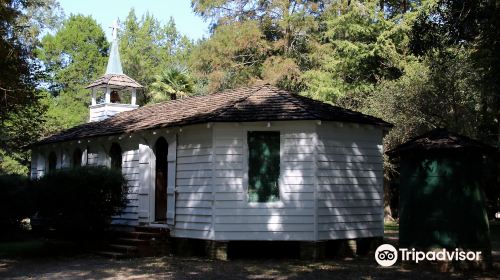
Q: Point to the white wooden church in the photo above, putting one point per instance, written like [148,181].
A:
[253,163]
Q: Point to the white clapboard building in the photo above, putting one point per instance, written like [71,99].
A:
[254,163]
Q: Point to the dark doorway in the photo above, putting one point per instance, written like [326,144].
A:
[77,157]
[52,161]
[161,153]
[116,156]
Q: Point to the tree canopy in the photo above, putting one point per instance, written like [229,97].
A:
[147,48]
[21,112]
[171,84]
[419,64]
[73,57]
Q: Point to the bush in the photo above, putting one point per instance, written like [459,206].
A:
[81,201]
[16,201]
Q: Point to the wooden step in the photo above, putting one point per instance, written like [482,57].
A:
[112,254]
[141,242]
[133,241]
[159,230]
[144,235]
[127,249]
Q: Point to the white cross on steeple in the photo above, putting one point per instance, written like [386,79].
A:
[115,27]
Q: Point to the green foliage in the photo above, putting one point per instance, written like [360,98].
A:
[64,111]
[73,57]
[170,84]
[39,16]
[230,58]
[147,47]
[360,47]
[20,109]
[16,201]
[436,92]
[81,201]
[473,26]
[418,64]
[272,42]
[11,164]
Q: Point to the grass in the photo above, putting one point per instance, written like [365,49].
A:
[21,248]
[391,226]
[36,247]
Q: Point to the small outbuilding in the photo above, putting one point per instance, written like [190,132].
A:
[442,202]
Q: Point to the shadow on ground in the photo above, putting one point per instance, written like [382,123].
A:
[93,267]
[89,266]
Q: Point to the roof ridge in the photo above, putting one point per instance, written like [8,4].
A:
[171,101]
[345,110]
[296,101]
[226,108]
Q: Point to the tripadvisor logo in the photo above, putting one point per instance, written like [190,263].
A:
[387,255]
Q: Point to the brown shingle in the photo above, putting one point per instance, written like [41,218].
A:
[258,103]
[120,80]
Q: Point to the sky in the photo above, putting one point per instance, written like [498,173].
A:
[105,13]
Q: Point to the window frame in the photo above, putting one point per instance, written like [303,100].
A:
[246,155]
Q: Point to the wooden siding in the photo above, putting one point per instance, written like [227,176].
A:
[291,218]
[331,180]
[93,155]
[105,110]
[350,181]
[193,202]
[38,163]
[130,170]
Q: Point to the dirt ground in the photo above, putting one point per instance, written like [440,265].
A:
[87,266]
[92,267]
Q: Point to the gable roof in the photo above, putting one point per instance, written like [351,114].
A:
[257,103]
[439,138]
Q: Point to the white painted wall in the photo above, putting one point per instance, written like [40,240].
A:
[331,180]
[292,218]
[194,199]
[103,111]
[130,170]
[350,181]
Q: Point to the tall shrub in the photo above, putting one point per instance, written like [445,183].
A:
[81,201]
[16,201]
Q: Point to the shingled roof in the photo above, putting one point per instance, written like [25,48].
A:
[440,139]
[120,80]
[257,103]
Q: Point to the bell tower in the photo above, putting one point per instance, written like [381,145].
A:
[114,92]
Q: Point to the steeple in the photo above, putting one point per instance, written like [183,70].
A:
[113,87]
[114,63]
